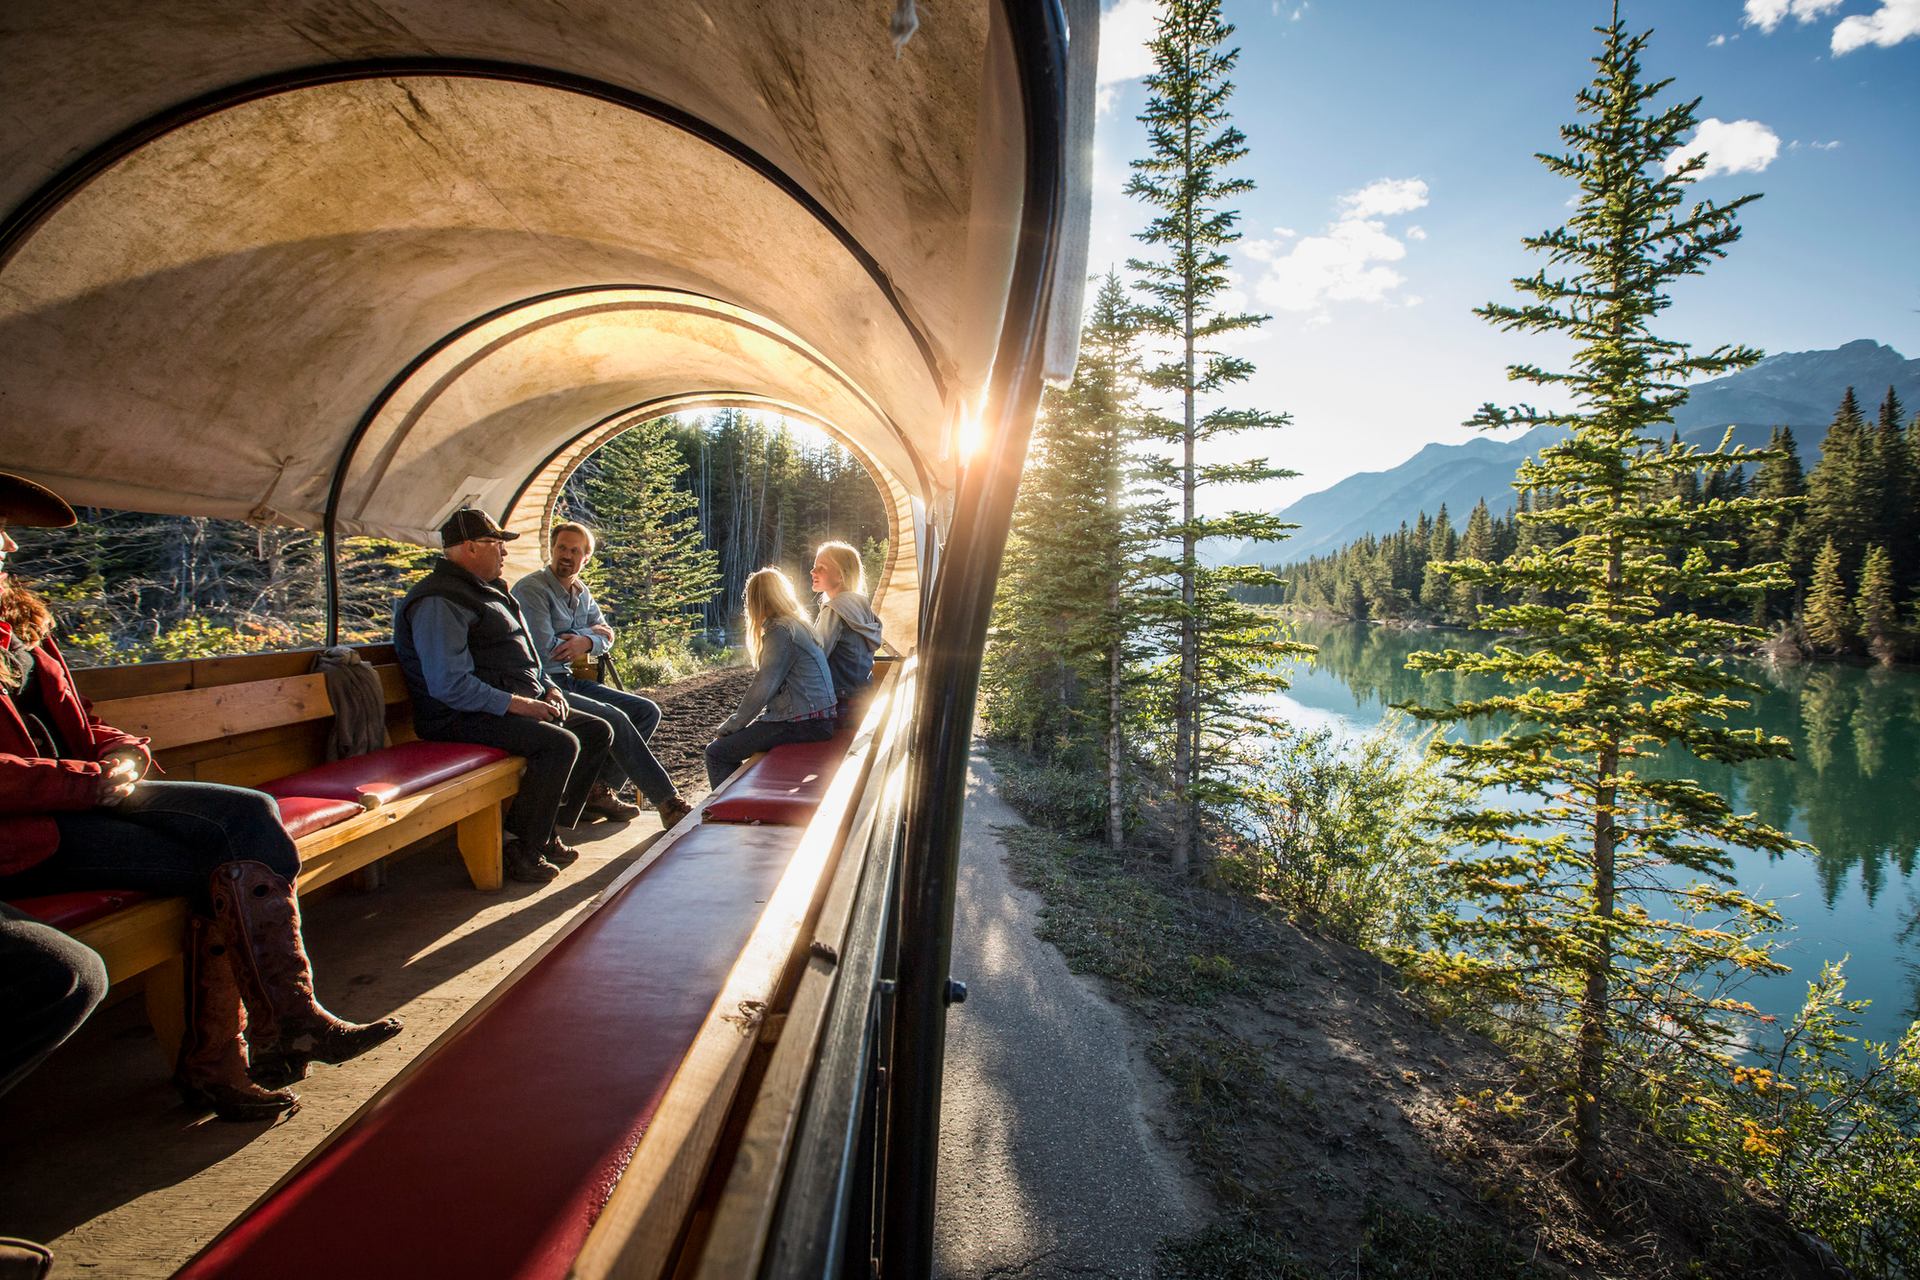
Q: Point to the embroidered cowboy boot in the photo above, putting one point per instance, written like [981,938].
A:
[212,1071]
[290,1028]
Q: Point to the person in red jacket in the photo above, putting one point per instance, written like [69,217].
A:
[77,811]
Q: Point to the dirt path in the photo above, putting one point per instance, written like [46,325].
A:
[1048,1164]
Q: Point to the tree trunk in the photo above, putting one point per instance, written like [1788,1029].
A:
[1116,741]
[1595,1030]
[1186,702]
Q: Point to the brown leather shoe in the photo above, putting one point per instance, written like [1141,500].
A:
[290,1028]
[527,867]
[561,854]
[603,801]
[212,1071]
[671,810]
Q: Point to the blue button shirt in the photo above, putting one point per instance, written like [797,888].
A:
[554,613]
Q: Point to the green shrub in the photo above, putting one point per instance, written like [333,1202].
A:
[1055,796]
[1341,835]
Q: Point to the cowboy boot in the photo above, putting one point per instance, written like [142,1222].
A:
[291,1029]
[212,1071]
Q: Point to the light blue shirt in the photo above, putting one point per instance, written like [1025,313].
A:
[553,613]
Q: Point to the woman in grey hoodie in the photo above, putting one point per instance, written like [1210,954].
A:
[791,697]
[846,626]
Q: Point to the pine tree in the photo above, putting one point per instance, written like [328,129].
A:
[651,571]
[1829,618]
[1556,924]
[1844,500]
[1184,178]
[1059,674]
[1434,590]
[1781,481]
[1476,544]
[1877,612]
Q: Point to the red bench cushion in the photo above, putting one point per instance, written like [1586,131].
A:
[388,774]
[71,910]
[495,1154]
[783,786]
[304,815]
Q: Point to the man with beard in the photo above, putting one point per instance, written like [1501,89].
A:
[566,624]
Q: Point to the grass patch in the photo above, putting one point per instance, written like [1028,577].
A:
[1110,917]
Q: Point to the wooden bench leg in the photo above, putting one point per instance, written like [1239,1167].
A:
[167,1005]
[480,836]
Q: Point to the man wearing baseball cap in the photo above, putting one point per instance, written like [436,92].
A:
[475,676]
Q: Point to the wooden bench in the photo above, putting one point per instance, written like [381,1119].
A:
[591,1086]
[250,721]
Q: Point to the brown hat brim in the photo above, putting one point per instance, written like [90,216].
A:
[32,506]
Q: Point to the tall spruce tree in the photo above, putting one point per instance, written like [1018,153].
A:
[1829,617]
[1844,498]
[1877,608]
[653,573]
[1224,651]
[1562,916]
[1058,676]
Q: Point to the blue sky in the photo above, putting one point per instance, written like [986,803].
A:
[1392,146]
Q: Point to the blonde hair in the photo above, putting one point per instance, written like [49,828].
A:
[769,597]
[845,557]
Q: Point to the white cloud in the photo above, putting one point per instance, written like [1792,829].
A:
[1125,30]
[1827,146]
[1892,22]
[1737,146]
[1348,262]
[1383,198]
[1716,42]
[1768,14]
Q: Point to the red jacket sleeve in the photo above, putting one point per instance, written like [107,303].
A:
[106,738]
[34,784]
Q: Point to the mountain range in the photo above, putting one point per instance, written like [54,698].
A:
[1798,389]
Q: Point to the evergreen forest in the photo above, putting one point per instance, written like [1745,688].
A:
[1847,535]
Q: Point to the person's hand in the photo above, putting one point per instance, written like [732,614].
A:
[602,630]
[570,648]
[533,709]
[117,780]
[558,701]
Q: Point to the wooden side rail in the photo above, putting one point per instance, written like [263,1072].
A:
[638,1234]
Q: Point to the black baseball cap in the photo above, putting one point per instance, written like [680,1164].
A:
[469,524]
[32,506]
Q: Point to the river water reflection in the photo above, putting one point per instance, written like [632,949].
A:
[1852,790]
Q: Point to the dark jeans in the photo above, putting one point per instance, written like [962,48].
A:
[634,719]
[724,755]
[165,839]
[563,759]
[48,985]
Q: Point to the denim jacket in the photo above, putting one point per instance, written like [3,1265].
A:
[793,679]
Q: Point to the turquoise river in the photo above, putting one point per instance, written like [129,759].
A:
[1852,791]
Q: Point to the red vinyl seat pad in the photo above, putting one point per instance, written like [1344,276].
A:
[71,910]
[494,1155]
[784,786]
[304,815]
[386,775]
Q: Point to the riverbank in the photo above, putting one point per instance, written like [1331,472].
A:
[1342,1129]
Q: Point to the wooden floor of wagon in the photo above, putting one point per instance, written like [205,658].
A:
[100,1159]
